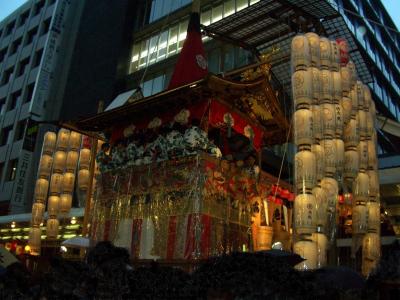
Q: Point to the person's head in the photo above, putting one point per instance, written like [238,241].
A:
[105,147]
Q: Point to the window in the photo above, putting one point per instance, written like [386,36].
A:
[15,46]
[9,28]
[37,58]
[162,45]
[3,54]
[23,18]
[20,130]
[23,66]
[241,4]
[6,135]
[173,39]
[29,92]
[182,33]
[12,170]
[229,8]
[7,75]
[2,105]
[45,27]
[216,13]
[38,7]
[14,98]
[31,36]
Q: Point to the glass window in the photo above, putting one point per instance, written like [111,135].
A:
[153,49]
[31,36]
[229,58]
[173,40]
[23,18]
[14,98]
[182,33]
[6,136]
[229,8]
[158,84]
[216,13]
[147,87]
[29,92]
[254,1]
[2,105]
[162,45]
[214,61]
[241,4]
[135,57]
[23,66]
[15,46]
[20,130]
[144,49]
[205,18]
[167,6]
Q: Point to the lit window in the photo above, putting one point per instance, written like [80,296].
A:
[206,17]
[241,4]
[182,33]
[216,13]
[173,39]
[143,53]
[254,1]
[162,45]
[153,49]
[229,8]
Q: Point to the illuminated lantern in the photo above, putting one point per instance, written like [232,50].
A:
[353,73]
[367,97]
[49,143]
[302,88]
[339,120]
[60,158]
[305,170]
[362,123]
[52,228]
[264,238]
[318,151]
[374,217]
[328,120]
[313,41]
[325,52]
[339,155]
[300,53]
[326,86]
[53,205]
[373,184]
[84,159]
[331,189]
[370,125]
[351,164]
[351,137]
[335,56]
[56,184]
[336,86]
[46,162]
[41,189]
[316,118]
[361,187]
[68,182]
[322,246]
[354,102]
[305,213]
[72,160]
[346,104]
[35,240]
[330,156]
[37,213]
[362,149]
[346,80]
[83,179]
[316,84]
[372,159]
[303,123]
[359,218]
[343,50]
[308,250]
[372,109]
[65,203]
[62,139]
[75,140]
[371,252]
[360,94]
[321,202]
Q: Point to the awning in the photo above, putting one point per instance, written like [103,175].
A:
[124,98]
[389,125]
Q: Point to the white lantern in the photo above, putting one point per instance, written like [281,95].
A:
[353,73]
[372,158]
[53,205]
[46,162]
[335,56]
[373,183]
[72,161]
[62,139]
[339,155]
[346,81]
[305,213]
[331,189]
[34,242]
[361,187]
[362,123]
[83,179]
[322,245]
[65,203]
[371,252]
[303,127]
[49,143]
[316,116]
[318,151]
[321,206]
[374,216]
[60,158]
[330,156]
[75,140]
[37,213]
[362,149]
[308,250]
[328,120]
[68,182]
[52,228]
[56,184]
[346,104]
[316,84]
[300,53]
[313,41]
[84,158]
[302,88]
[305,170]
[359,219]
[337,86]
[339,120]
[326,86]
[41,189]
[360,94]
[325,52]
[351,164]
[354,102]
[351,137]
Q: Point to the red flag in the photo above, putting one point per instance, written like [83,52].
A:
[192,64]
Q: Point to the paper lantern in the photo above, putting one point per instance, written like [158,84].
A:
[351,136]
[68,182]
[53,205]
[316,118]
[354,102]
[45,164]
[359,87]
[321,202]
[35,240]
[351,164]
[41,189]
[37,213]
[303,125]
[362,124]
[371,252]
[302,88]
[322,246]
[328,120]
[335,56]
[346,104]
[343,50]
[313,41]
[318,151]
[361,187]
[370,120]
[331,189]
[300,53]
[56,184]
[359,219]
[373,184]
[62,139]
[326,86]
[65,203]
[339,120]
[367,97]
[305,171]
[339,155]
[374,216]
[71,161]
[372,109]
[353,73]
[308,250]
[84,159]
[362,149]
[59,161]
[325,52]
[305,213]
[49,143]
[75,140]
[83,179]
[345,80]
[316,84]
[52,228]
[336,86]
[330,153]
[372,158]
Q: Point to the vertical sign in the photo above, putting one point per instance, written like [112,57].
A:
[18,203]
